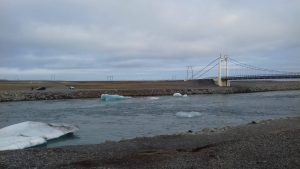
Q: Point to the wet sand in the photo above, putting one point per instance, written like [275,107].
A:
[267,144]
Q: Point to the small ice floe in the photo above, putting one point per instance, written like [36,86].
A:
[188,114]
[153,98]
[29,134]
[108,97]
[177,94]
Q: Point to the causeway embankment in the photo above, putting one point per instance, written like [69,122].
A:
[26,90]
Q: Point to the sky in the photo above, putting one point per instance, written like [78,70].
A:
[143,39]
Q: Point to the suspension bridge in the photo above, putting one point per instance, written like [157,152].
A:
[240,71]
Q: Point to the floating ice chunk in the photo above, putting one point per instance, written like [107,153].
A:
[39,129]
[153,98]
[28,134]
[177,94]
[188,114]
[108,97]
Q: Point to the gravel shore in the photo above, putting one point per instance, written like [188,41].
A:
[267,144]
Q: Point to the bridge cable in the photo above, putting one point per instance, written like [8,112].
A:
[253,68]
[207,71]
[256,68]
[205,67]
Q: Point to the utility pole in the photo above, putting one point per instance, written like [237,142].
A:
[187,73]
[110,78]
[192,72]
[52,77]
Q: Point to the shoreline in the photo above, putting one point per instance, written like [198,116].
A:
[153,89]
[265,144]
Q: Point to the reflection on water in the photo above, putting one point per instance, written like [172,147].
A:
[144,116]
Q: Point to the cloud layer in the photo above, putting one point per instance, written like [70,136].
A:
[143,39]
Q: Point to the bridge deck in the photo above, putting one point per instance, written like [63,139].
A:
[252,77]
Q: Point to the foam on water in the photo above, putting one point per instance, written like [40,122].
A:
[188,114]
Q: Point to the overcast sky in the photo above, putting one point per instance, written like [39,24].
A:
[143,39]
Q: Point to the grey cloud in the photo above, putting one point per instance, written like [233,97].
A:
[121,36]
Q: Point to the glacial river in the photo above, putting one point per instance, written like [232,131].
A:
[148,116]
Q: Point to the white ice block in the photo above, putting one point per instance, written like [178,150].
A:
[29,133]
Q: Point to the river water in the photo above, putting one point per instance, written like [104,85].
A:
[148,116]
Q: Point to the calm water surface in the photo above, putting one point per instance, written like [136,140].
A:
[137,117]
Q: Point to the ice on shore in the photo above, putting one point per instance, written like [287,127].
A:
[108,97]
[29,134]
[188,114]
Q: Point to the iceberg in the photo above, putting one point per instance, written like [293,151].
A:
[29,134]
[108,97]
[188,114]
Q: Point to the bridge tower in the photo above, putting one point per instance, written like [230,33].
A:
[220,71]
[220,82]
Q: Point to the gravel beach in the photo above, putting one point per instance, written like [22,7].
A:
[266,144]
